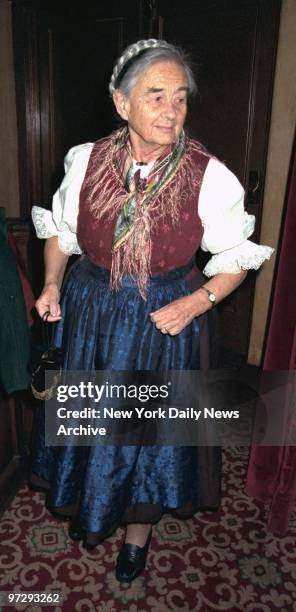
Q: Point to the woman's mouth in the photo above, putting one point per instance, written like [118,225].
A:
[165,128]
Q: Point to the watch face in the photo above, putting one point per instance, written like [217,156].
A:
[212,298]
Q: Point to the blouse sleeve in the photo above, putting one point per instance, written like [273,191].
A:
[227,226]
[62,220]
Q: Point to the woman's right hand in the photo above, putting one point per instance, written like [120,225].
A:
[49,301]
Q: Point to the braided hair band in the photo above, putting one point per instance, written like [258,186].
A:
[130,55]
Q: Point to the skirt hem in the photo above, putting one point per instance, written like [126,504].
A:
[142,513]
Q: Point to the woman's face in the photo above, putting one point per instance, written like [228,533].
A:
[156,108]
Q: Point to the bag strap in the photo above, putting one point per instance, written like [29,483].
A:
[47,337]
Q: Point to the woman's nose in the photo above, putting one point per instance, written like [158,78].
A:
[169,110]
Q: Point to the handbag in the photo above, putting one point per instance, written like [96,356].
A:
[47,374]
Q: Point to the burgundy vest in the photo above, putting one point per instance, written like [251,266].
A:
[172,246]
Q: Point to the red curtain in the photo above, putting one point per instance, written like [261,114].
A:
[272,470]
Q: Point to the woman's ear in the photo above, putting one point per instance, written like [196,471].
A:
[121,104]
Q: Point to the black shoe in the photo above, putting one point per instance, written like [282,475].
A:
[75,532]
[131,561]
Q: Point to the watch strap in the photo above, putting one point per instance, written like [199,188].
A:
[210,294]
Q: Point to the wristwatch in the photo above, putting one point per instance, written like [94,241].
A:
[210,294]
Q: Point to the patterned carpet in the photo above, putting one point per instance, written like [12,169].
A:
[222,561]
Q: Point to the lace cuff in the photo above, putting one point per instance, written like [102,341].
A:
[68,245]
[43,222]
[245,256]
[45,228]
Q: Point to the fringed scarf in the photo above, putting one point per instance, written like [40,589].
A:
[138,207]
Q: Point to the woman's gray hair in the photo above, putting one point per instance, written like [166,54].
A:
[139,56]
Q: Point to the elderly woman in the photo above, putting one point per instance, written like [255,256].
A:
[139,204]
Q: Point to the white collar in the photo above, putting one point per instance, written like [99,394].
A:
[144,169]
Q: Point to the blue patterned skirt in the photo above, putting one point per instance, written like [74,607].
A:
[104,486]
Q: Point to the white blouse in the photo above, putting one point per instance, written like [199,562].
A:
[227,226]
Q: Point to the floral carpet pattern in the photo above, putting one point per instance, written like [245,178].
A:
[214,561]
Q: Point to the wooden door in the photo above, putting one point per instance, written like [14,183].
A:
[233,46]
[64,53]
[64,56]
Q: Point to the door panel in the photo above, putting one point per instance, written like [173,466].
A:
[219,116]
[74,103]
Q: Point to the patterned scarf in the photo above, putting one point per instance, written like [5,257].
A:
[137,207]
[163,170]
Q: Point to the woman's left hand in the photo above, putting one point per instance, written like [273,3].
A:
[174,317]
